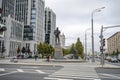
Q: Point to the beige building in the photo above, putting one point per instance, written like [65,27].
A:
[113,43]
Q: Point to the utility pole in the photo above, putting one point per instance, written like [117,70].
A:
[101,47]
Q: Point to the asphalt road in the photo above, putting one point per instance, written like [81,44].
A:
[108,73]
[21,72]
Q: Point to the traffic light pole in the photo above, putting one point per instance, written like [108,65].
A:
[102,43]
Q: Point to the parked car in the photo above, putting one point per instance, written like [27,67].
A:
[113,59]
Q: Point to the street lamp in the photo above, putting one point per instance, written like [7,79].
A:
[86,42]
[94,11]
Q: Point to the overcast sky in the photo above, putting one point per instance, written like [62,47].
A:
[73,17]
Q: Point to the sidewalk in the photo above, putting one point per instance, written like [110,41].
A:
[56,62]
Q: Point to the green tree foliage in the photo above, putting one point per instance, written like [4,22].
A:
[79,48]
[71,51]
[23,50]
[65,51]
[18,50]
[28,50]
[45,49]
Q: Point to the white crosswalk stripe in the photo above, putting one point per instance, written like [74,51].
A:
[50,78]
[2,69]
[20,70]
[75,77]
[28,71]
[39,71]
[112,76]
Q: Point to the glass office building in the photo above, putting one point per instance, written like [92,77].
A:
[50,25]
[31,12]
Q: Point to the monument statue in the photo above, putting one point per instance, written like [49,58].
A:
[57,36]
[58,54]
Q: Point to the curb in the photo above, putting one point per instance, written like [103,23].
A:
[109,67]
[68,61]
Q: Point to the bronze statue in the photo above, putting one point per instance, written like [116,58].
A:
[57,36]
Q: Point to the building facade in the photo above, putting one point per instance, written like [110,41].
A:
[62,40]
[8,7]
[13,37]
[27,13]
[31,12]
[113,43]
[50,25]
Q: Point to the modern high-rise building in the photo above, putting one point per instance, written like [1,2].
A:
[13,37]
[8,7]
[31,12]
[50,25]
[27,15]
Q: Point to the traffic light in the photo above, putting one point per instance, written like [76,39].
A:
[104,42]
[2,28]
[0,14]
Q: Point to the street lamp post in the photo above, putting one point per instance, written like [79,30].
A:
[94,11]
[86,42]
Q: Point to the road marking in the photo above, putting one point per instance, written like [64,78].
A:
[8,73]
[20,70]
[76,77]
[2,69]
[29,67]
[109,75]
[40,71]
[56,78]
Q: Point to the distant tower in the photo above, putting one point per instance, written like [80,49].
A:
[62,40]
[50,24]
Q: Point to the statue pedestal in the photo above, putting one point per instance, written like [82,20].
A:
[58,54]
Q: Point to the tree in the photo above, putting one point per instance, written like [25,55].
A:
[72,49]
[18,49]
[45,49]
[79,48]
[40,49]
[23,50]
[28,50]
[65,51]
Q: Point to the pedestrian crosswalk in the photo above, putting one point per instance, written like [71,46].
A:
[2,69]
[70,77]
[110,75]
[27,70]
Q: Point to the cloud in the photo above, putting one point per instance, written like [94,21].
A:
[74,17]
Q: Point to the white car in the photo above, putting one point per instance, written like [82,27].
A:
[113,59]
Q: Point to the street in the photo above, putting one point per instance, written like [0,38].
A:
[108,73]
[57,71]
[21,72]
